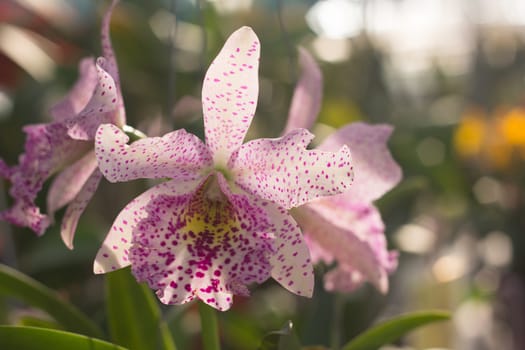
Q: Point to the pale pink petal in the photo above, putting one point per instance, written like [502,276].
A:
[113,254]
[376,172]
[345,279]
[80,93]
[283,171]
[68,182]
[318,252]
[103,107]
[307,96]
[229,94]
[47,149]
[77,206]
[291,263]
[202,245]
[178,155]
[110,63]
[351,235]
[186,108]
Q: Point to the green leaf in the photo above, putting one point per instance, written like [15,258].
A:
[32,338]
[283,339]
[134,316]
[35,321]
[388,331]
[16,284]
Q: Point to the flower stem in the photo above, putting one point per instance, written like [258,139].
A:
[337,321]
[209,327]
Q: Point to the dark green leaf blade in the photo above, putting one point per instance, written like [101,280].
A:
[388,331]
[133,313]
[16,284]
[32,338]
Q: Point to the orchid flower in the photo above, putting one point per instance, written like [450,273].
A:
[347,228]
[65,146]
[221,222]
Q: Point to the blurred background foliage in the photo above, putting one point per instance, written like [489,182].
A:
[448,74]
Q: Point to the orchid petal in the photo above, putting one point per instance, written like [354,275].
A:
[308,94]
[80,94]
[187,107]
[283,171]
[291,263]
[26,214]
[110,63]
[47,149]
[345,279]
[178,155]
[113,254]
[229,94]
[377,171]
[68,183]
[77,206]
[352,235]
[197,245]
[101,108]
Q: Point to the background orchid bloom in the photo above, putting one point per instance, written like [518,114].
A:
[221,222]
[65,145]
[347,228]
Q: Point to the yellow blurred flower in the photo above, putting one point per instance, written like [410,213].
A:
[512,126]
[495,140]
[469,135]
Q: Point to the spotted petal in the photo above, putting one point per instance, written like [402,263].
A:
[68,183]
[308,93]
[291,263]
[229,94]
[283,171]
[178,155]
[110,62]
[106,104]
[103,107]
[80,94]
[113,254]
[197,246]
[47,149]
[26,214]
[352,235]
[23,212]
[377,172]
[289,258]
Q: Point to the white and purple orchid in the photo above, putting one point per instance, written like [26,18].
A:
[221,221]
[347,228]
[65,146]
